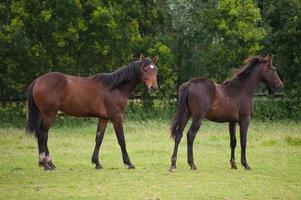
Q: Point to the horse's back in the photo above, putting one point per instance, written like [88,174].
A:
[201,92]
[85,97]
[204,84]
[52,76]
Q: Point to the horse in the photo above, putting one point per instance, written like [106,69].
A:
[103,95]
[230,102]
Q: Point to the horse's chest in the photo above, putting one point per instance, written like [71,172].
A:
[119,104]
[246,107]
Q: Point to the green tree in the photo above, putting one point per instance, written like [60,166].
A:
[75,37]
[283,21]
[213,37]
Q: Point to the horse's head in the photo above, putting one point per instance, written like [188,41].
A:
[269,74]
[148,71]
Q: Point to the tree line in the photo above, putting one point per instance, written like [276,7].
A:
[192,38]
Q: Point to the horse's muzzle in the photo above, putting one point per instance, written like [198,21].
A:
[276,87]
[151,89]
[279,87]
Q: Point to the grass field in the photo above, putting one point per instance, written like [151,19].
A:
[273,152]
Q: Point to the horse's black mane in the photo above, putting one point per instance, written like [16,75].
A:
[246,70]
[122,75]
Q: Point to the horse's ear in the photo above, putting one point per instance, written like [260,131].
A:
[142,58]
[155,59]
[269,59]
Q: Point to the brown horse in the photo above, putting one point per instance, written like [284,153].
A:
[230,102]
[103,95]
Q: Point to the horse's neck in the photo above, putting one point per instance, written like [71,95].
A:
[249,85]
[129,87]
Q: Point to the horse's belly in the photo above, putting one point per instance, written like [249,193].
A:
[80,107]
[222,115]
[78,112]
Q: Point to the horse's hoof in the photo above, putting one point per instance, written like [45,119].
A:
[172,168]
[47,167]
[50,163]
[131,166]
[233,165]
[193,167]
[246,166]
[98,166]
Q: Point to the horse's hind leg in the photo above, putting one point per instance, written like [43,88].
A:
[195,125]
[49,159]
[41,137]
[101,128]
[44,158]
[232,130]
[177,141]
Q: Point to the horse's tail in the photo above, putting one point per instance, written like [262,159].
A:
[177,125]
[34,119]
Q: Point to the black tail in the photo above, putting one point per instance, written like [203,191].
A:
[177,126]
[34,119]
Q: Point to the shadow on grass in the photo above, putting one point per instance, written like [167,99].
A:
[293,141]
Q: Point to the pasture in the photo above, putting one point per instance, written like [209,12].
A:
[273,152]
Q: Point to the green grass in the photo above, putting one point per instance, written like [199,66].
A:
[273,152]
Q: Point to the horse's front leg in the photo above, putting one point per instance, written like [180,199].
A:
[101,128]
[117,123]
[232,130]
[244,124]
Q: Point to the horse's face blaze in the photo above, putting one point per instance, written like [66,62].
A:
[149,73]
[270,75]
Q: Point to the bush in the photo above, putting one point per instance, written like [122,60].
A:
[13,114]
[264,108]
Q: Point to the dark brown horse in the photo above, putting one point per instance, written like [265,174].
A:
[230,102]
[103,95]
